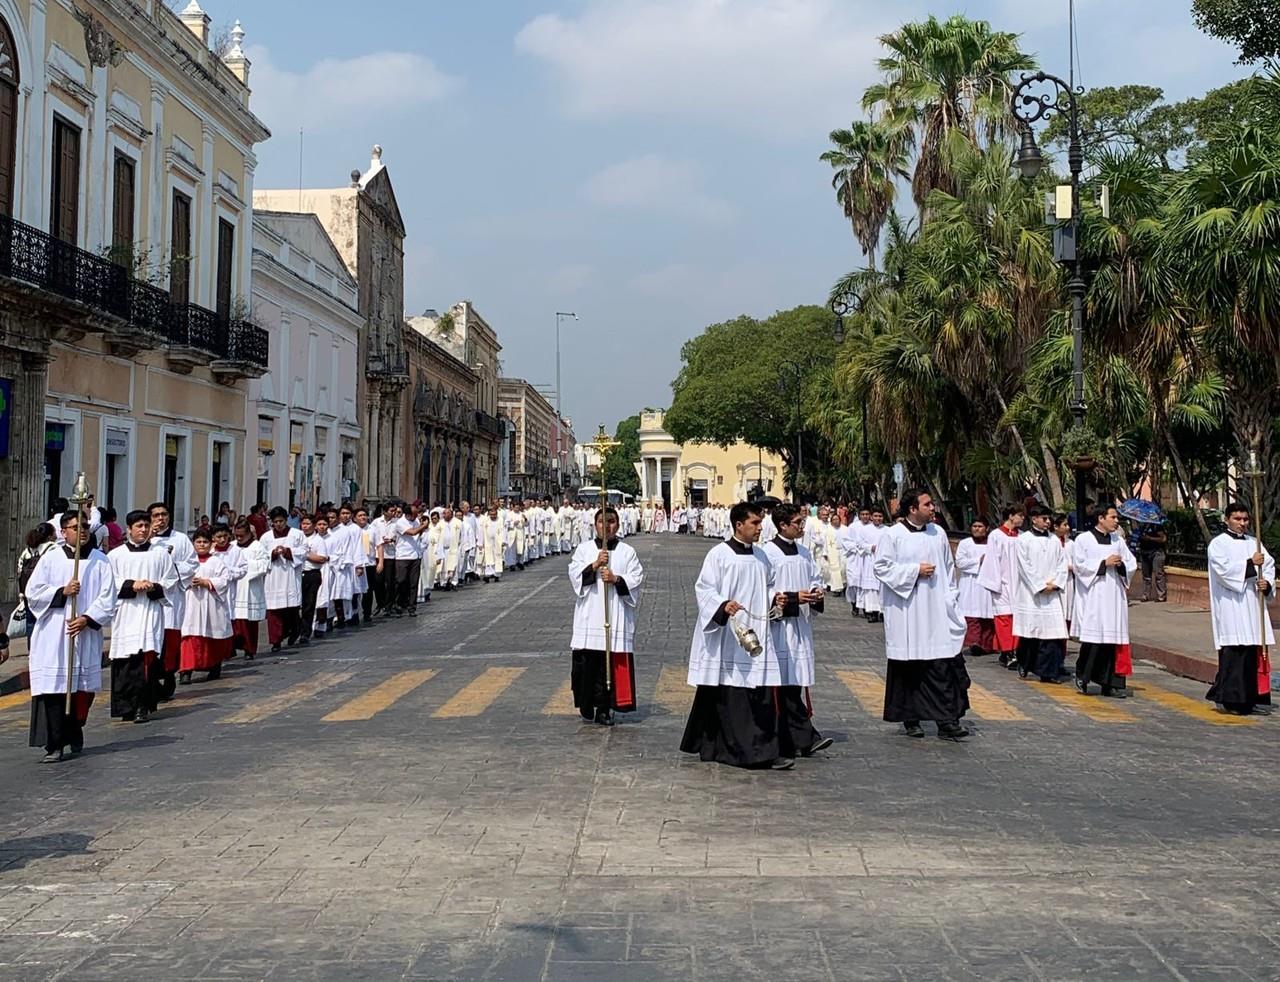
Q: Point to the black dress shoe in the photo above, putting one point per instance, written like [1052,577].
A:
[215,673]
[783,764]
[604,717]
[184,678]
[1082,686]
[952,731]
[1051,681]
[1023,671]
[822,744]
[1116,693]
[913,729]
[52,757]
[143,716]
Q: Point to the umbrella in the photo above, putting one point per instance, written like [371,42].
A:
[1140,510]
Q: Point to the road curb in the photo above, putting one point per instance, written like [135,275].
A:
[15,683]
[1178,662]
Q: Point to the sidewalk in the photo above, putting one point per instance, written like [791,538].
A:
[1178,638]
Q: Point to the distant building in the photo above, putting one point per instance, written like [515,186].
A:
[531,448]
[701,473]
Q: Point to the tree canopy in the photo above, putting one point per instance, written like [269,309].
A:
[619,467]
[1251,25]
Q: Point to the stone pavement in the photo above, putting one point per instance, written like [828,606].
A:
[419,802]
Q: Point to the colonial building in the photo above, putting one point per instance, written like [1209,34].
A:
[531,450]
[302,413]
[469,340]
[364,222]
[566,474]
[701,473]
[439,453]
[126,171]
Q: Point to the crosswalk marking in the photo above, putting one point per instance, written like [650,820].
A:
[1096,707]
[987,705]
[561,704]
[380,697]
[256,712]
[475,697]
[16,699]
[867,688]
[673,692]
[1200,709]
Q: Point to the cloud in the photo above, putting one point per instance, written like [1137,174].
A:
[654,183]
[778,66]
[335,93]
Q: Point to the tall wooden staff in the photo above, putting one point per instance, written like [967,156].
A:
[1254,473]
[80,495]
[602,444]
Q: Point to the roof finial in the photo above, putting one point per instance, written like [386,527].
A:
[237,39]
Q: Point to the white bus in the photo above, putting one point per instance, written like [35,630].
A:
[591,496]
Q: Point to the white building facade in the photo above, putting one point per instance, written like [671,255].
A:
[303,411]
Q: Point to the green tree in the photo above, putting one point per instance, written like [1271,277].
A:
[1253,26]
[869,158]
[944,77]
[619,466]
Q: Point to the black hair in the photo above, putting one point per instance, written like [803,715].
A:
[156,506]
[1058,518]
[59,505]
[242,523]
[1100,511]
[910,499]
[107,515]
[39,535]
[1235,508]
[278,512]
[980,520]
[136,516]
[203,532]
[1008,511]
[785,514]
[743,510]
[67,518]
[1036,511]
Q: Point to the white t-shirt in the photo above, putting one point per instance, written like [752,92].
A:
[407,546]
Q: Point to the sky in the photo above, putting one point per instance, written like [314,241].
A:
[651,165]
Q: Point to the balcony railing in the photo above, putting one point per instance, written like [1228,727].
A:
[60,268]
[490,425]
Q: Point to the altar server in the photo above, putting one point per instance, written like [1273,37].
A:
[49,593]
[1039,620]
[206,620]
[249,604]
[183,554]
[1103,568]
[974,601]
[286,551]
[999,575]
[1240,569]
[144,576]
[869,538]
[923,631]
[597,564]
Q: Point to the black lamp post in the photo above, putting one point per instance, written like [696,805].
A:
[1029,108]
[849,303]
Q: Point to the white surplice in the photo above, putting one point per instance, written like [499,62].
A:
[973,600]
[794,571]
[715,656]
[588,607]
[283,585]
[1037,614]
[205,614]
[921,622]
[1102,596]
[1233,594]
[491,546]
[138,624]
[999,573]
[183,553]
[251,590]
[47,646]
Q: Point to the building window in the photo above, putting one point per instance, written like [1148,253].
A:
[180,250]
[65,204]
[226,265]
[122,202]
[8,117]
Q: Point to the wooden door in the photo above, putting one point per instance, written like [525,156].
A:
[226,266]
[180,249]
[122,205]
[64,215]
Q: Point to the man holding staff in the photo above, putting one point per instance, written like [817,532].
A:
[1242,576]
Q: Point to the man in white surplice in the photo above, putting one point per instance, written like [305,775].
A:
[925,677]
[1103,566]
[1039,620]
[733,660]
[144,576]
[179,547]
[797,576]
[51,592]
[491,545]
[974,600]
[601,564]
[1241,573]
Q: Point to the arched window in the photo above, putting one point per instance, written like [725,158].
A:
[8,116]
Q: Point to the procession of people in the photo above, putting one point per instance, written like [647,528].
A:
[179,604]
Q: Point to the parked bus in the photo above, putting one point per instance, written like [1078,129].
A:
[591,496]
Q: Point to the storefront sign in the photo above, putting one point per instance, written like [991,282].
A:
[266,435]
[55,436]
[6,411]
[117,442]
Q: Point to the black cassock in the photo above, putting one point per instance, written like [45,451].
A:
[1236,686]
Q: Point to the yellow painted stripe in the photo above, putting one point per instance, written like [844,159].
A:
[867,688]
[1096,707]
[16,699]
[985,704]
[561,704]
[1200,709]
[674,692]
[256,712]
[475,697]
[380,697]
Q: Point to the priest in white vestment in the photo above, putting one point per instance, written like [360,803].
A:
[923,632]
[287,551]
[733,660]
[797,576]
[180,549]
[491,546]
[973,600]
[206,620]
[870,536]
[52,592]
[1103,567]
[1242,573]
[429,574]
[144,576]
[450,549]
[1039,620]
[600,565]
[851,551]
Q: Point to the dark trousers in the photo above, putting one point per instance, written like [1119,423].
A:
[310,590]
[1153,572]
[133,684]
[52,727]
[1042,657]
[796,733]
[1097,663]
[389,586]
[366,598]
[407,573]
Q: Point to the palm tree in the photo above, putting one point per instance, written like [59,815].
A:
[944,77]
[869,158]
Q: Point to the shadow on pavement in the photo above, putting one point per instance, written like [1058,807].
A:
[18,852]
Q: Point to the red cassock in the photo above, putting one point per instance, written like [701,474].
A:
[624,681]
[1264,672]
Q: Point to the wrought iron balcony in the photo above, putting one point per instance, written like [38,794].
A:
[490,425]
[133,313]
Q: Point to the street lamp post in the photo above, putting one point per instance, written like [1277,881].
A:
[848,303]
[1029,108]
[560,314]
